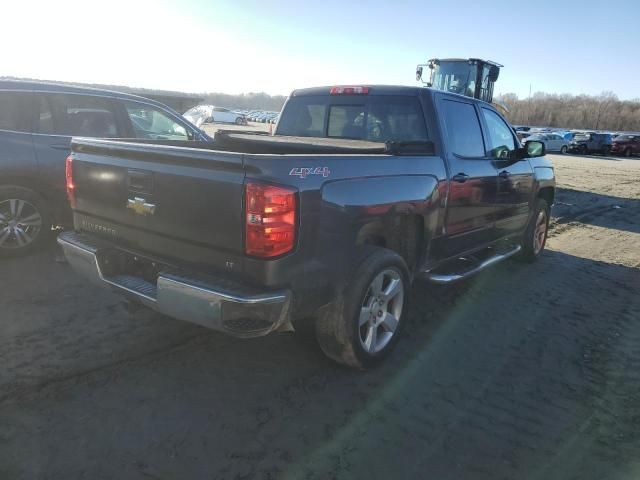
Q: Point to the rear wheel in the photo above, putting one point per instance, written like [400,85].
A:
[25,221]
[563,150]
[535,237]
[605,151]
[583,150]
[627,153]
[239,121]
[362,326]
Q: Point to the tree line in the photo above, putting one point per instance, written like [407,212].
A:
[588,112]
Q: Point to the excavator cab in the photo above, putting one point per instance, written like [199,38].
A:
[472,77]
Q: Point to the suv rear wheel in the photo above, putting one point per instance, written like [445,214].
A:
[25,221]
[363,325]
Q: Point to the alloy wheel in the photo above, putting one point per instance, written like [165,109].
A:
[540,232]
[381,310]
[20,223]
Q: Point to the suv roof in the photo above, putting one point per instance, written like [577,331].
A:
[51,87]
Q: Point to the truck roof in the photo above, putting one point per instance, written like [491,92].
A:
[373,90]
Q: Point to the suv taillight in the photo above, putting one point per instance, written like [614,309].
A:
[71,188]
[270,225]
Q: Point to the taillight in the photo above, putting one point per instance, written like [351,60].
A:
[349,91]
[270,220]
[71,188]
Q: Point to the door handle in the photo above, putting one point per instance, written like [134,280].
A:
[460,177]
[504,174]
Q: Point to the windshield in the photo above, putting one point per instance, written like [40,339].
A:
[455,77]
[624,138]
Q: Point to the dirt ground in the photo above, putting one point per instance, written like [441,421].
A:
[525,372]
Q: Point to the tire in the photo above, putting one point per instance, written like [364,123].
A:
[239,121]
[627,153]
[535,236]
[563,150]
[584,150]
[25,221]
[605,151]
[360,328]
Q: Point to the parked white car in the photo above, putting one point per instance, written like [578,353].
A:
[210,113]
[553,142]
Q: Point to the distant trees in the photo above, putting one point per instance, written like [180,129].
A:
[601,112]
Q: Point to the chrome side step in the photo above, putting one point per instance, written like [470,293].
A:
[445,278]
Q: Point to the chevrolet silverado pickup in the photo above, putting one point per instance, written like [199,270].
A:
[325,224]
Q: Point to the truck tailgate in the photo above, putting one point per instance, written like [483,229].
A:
[169,201]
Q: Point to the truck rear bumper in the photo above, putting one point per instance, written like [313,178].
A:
[211,301]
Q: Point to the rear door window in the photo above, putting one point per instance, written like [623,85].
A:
[15,111]
[372,118]
[463,128]
[77,115]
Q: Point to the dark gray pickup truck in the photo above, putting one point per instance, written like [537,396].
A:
[326,223]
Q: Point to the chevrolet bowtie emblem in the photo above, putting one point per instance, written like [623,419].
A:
[140,206]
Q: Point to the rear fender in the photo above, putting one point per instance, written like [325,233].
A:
[378,210]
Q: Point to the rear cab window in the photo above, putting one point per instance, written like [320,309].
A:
[375,118]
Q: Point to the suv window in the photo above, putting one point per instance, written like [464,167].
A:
[15,111]
[463,129]
[376,119]
[76,115]
[501,139]
[151,122]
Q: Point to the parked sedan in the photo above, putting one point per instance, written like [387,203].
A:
[210,113]
[553,142]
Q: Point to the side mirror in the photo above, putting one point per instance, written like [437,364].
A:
[534,148]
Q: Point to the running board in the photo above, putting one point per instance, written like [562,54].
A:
[445,278]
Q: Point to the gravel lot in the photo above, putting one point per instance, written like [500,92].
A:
[527,371]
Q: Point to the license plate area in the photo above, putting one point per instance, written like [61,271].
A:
[115,263]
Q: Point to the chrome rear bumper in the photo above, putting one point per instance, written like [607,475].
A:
[210,301]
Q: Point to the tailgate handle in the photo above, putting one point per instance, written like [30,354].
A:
[140,181]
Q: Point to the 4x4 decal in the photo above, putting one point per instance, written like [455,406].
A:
[303,172]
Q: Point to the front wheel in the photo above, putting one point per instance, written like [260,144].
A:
[583,150]
[362,326]
[563,150]
[239,121]
[605,151]
[535,237]
[24,221]
[627,153]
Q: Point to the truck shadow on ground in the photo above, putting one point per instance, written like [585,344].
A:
[520,371]
[595,209]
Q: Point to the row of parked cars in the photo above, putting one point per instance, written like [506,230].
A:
[261,116]
[582,142]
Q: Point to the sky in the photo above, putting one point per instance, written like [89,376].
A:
[239,46]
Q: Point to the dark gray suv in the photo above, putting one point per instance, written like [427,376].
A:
[37,121]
